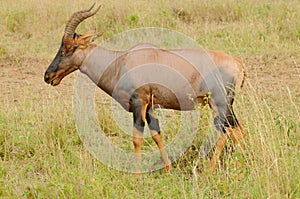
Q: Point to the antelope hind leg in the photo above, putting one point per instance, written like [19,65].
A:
[237,135]
[219,147]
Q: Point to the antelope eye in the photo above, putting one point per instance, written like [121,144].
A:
[63,53]
[65,50]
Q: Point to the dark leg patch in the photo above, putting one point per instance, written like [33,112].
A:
[219,124]
[223,98]
[136,107]
[152,123]
[139,127]
[222,122]
[231,120]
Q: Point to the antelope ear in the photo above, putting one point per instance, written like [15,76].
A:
[84,40]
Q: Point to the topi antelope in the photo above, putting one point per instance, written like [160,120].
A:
[137,79]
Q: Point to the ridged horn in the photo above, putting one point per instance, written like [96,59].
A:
[77,18]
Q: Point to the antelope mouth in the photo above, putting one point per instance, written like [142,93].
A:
[54,81]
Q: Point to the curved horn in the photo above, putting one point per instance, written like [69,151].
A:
[77,18]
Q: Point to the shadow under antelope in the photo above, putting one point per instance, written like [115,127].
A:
[201,73]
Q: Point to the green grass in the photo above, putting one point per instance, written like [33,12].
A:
[42,156]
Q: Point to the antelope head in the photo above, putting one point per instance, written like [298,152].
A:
[73,49]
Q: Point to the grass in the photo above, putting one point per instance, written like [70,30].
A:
[42,156]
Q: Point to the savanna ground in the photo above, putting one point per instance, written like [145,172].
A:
[41,154]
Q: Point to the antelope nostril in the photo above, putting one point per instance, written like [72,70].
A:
[46,77]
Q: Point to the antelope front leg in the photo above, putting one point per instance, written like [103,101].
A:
[139,112]
[158,140]
[137,139]
[155,133]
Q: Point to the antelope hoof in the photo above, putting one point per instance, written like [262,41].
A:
[138,176]
[167,169]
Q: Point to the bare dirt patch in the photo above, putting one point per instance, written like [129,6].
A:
[276,77]
[23,77]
